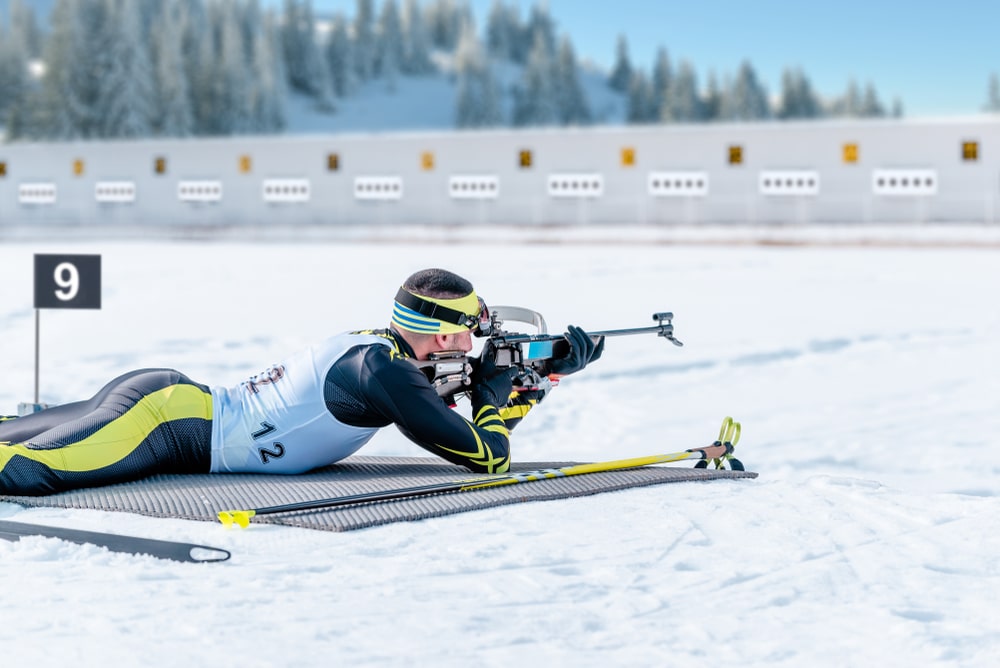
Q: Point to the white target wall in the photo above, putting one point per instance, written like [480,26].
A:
[777,172]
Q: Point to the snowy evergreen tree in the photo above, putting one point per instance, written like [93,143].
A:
[306,65]
[125,101]
[641,99]
[746,99]
[251,24]
[521,37]
[621,73]
[662,74]
[871,106]
[269,68]
[201,53]
[437,24]
[416,41]
[993,94]
[797,97]
[534,99]
[172,115]
[572,106]
[132,68]
[790,102]
[501,35]
[320,86]
[19,96]
[24,29]
[251,33]
[445,20]
[20,121]
[682,103]
[712,103]
[193,29]
[75,58]
[291,40]
[851,103]
[507,38]
[233,91]
[340,57]
[149,11]
[541,26]
[477,103]
[389,44]
[211,92]
[364,40]
[89,62]
[13,73]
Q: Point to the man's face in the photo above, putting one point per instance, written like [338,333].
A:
[461,341]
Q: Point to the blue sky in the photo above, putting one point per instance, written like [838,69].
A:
[936,56]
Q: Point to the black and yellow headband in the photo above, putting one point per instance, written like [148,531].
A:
[433,315]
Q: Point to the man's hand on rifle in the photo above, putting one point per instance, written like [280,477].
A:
[492,384]
[583,350]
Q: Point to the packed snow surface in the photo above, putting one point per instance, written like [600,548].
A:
[866,379]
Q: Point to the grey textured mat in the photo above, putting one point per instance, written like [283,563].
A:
[200,497]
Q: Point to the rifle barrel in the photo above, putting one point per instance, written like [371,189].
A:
[663,327]
[628,332]
[519,338]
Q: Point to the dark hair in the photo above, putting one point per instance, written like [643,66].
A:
[439,283]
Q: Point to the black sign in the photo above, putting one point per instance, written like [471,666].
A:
[68,281]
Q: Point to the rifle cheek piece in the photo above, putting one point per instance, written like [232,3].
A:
[449,372]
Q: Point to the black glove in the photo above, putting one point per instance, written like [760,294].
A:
[582,351]
[492,385]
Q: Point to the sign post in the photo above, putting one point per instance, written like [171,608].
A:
[62,281]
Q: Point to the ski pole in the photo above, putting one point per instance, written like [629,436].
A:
[242,517]
[729,433]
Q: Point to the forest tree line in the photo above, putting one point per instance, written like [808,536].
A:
[176,68]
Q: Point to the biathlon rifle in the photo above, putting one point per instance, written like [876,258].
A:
[450,372]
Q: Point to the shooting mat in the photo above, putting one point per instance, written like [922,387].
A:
[200,497]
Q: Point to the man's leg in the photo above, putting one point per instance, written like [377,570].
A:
[145,422]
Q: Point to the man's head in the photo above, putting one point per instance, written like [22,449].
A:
[436,310]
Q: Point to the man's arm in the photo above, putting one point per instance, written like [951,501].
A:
[400,392]
[520,403]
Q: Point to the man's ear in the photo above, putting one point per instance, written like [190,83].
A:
[442,341]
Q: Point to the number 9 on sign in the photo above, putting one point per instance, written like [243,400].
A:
[68,281]
[67,277]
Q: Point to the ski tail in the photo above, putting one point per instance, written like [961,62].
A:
[161,549]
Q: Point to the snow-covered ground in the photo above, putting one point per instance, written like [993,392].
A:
[866,378]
